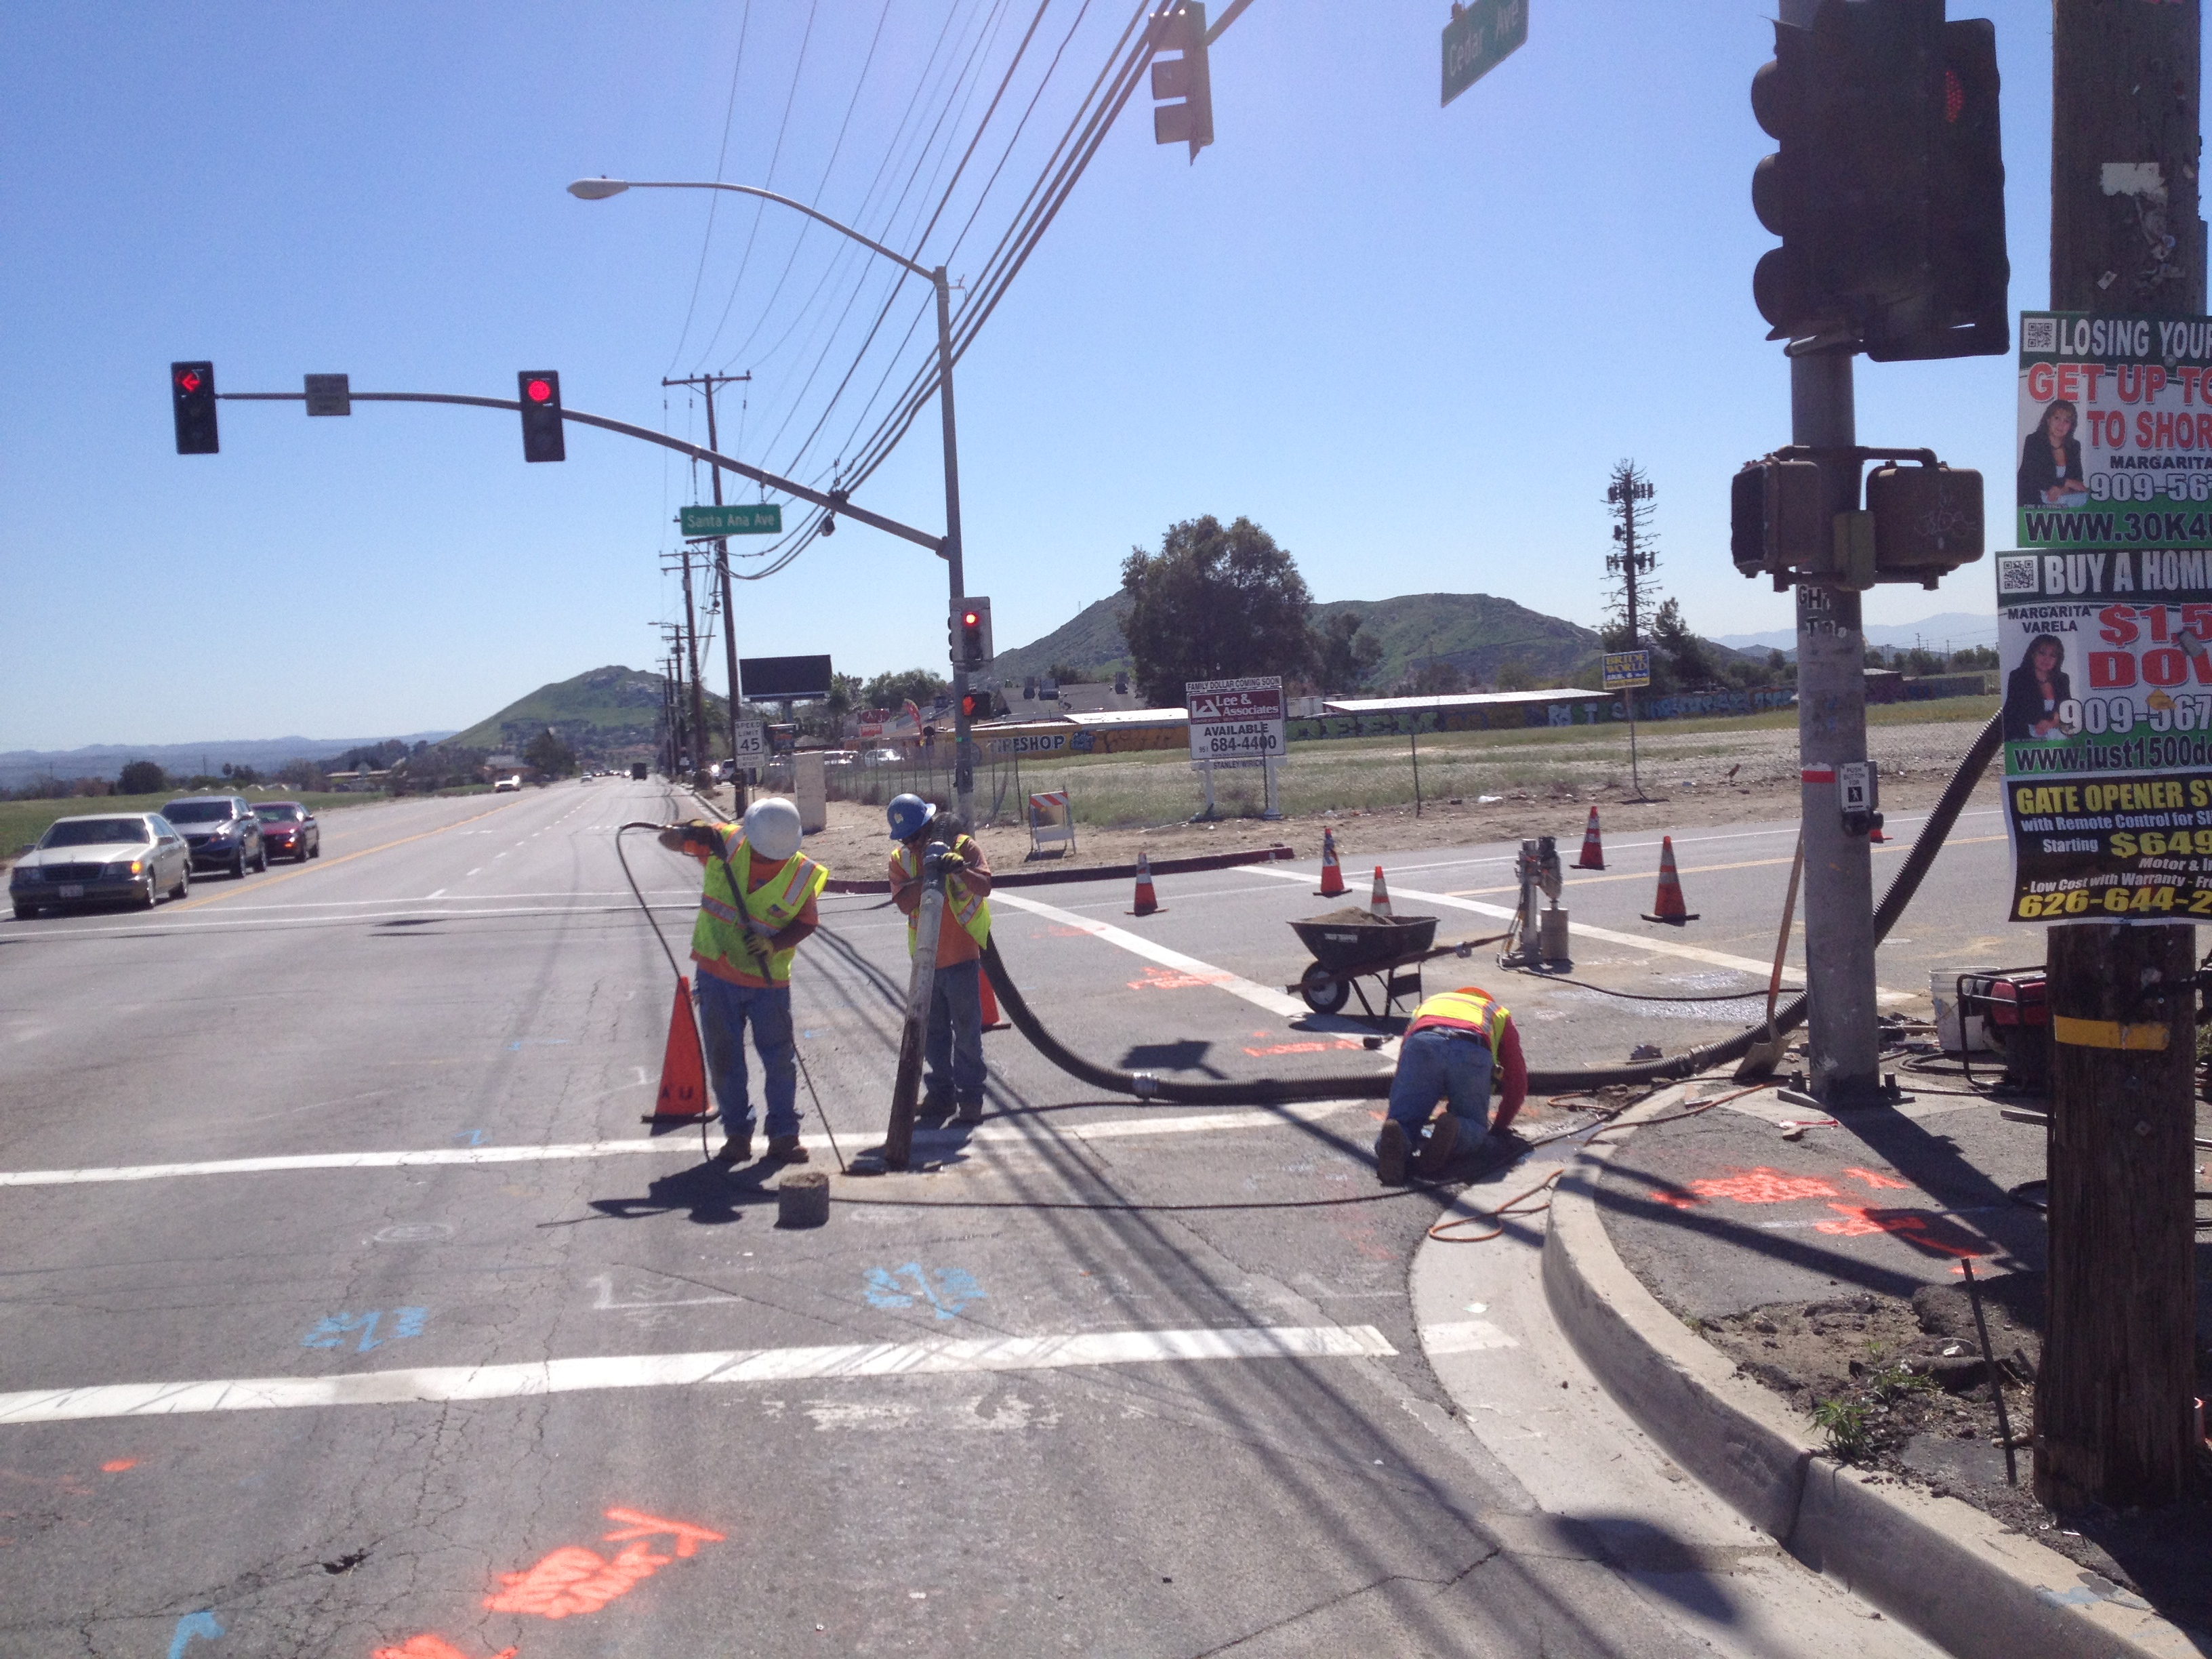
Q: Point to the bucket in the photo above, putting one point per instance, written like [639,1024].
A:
[1943,991]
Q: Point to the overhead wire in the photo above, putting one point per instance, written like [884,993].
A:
[715,198]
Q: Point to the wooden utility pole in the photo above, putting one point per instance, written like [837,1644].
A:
[2112,1399]
[708,383]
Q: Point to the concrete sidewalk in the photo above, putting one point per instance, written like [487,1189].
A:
[1723,1268]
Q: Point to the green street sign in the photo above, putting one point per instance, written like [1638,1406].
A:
[738,519]
[1481,38]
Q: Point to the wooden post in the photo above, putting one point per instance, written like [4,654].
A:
[2112,1398]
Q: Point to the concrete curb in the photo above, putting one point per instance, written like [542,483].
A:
[1939,1565]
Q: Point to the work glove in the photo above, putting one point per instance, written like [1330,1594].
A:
[951,864]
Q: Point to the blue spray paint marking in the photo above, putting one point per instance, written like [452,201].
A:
[476,1136]
[540,1042]
[193,1624]
[947,1289]
[332,1332]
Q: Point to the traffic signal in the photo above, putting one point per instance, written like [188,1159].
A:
[1181,27]
[192,399]
[1888,190]
[975,706]
[1927,520]
[541,416]
[1776,523]
[970,633]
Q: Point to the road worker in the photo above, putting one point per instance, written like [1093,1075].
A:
[954,1045]
[756,906]
[1459,1047]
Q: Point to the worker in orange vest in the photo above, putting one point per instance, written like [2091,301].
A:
[1461,1047]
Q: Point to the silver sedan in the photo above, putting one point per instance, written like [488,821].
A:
[130,858]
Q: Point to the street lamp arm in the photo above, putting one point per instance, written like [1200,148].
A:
[595,188]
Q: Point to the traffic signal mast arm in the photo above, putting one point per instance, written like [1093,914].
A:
[833,501]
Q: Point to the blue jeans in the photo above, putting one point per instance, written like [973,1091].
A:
[953,1042]
[1434,1065]
[724,1011]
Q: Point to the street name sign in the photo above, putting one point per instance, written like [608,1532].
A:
[1235,720]
[1625,670]
[1479,37]
[738,519]
[330,394]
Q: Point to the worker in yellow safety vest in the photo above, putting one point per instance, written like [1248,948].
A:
[754,907]
[1460,1046]
[954,1034]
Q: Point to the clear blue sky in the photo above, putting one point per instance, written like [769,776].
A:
[1409,341]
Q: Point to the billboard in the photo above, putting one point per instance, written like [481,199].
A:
[778,679]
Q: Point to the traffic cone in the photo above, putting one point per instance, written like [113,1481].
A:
[1874,835]
[1332,872]
[1670,903]
[1148,904]
[1593,856]
[682,1098]
[990,1001]
[1380,904]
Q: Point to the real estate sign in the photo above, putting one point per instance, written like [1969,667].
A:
[1236,722]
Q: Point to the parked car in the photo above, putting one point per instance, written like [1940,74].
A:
[130,858]
[222,831]
[289,830]
[509,785]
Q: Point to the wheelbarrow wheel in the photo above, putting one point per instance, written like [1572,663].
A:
[1323,994]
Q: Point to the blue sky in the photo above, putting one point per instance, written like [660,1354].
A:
[1409,341]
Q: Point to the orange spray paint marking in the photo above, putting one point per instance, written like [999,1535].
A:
[574,1579]
[432,1647]
[1876,1179]
[1169,979]
[687,1538]
[1915,1227]
[116,1466]
[1766,1186]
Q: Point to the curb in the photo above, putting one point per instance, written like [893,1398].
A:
[1937,1564]
[1094,871]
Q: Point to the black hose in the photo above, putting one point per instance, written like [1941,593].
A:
[1375,1086]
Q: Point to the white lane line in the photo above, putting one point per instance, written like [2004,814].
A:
[440,893]
[1665,947]
[1018,1134]
[936,1356]
[1260,996]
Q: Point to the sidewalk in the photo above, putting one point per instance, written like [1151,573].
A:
[1724,1271]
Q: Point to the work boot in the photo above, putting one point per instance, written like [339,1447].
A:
[1390,1154]
[1435,1156]
[933,1109]
[970,1111]
[736,1147]
[786,1149]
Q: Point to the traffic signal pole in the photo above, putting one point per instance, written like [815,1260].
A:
[2113,1393]
[1840,943]
[964,742]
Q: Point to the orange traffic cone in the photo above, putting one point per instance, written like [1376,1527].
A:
[1332,872]
[1593,856]
[990,1000]
[1670,903]
[1148,904]
[683,1069]
[1874,835]
[1380,904]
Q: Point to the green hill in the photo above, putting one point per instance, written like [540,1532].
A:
[599,713]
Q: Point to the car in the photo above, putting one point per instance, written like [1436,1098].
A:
[129,857]
[637,771]
[222,831]
[884,757]
[289,829]
[507,786]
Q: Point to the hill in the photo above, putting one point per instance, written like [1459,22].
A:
[598,713]
[1475,633]
[18,767]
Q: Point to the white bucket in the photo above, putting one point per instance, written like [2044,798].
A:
[1943,991]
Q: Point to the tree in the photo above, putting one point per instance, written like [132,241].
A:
[141,778]
[1214,603]
[1439,677]
[1685,652]
[1513,676]
[844,693]
[1343,656]
[549,756]
[893,690]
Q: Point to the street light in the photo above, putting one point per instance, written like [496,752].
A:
[963,766]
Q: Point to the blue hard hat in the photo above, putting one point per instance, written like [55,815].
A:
[910,815]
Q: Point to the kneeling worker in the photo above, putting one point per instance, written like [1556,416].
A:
[757,904]
[1458,1047]
[954,1046]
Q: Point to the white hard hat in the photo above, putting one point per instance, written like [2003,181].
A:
[772,828]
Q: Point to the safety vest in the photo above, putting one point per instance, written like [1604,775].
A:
[1464,1010]
[720,933]
[971,910]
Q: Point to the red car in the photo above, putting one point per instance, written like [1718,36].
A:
[289,831]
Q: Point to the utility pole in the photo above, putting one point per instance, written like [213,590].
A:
[686,737]
[689,634]
[1628,491]
[708,383]
[2113,1397]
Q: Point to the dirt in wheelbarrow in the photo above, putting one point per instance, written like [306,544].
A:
[1352,916]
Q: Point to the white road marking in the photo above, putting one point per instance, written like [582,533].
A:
[934,1356]
[1260,996]
[1018,1133]
[440,893]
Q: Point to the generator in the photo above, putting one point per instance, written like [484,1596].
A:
[2013,1005]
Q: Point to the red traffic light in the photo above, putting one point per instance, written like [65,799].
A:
[970,618]
[190,381]
[538,391]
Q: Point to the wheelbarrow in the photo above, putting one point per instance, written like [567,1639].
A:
[1348,948]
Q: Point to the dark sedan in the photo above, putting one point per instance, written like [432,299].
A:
[130,858]
[222,831]
[289,831]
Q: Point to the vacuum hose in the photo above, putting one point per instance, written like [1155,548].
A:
[1375,1086]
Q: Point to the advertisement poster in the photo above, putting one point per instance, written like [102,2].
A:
[1235,721]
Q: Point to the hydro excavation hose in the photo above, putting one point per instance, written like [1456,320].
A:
[1375,1086]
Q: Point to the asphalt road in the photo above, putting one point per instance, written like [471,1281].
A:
[347,1308]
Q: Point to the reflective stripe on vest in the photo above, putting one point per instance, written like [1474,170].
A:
[971,910]
[1463,1010]
[720,933]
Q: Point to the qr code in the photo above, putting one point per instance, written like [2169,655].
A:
[2017,575]
[2038,334]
